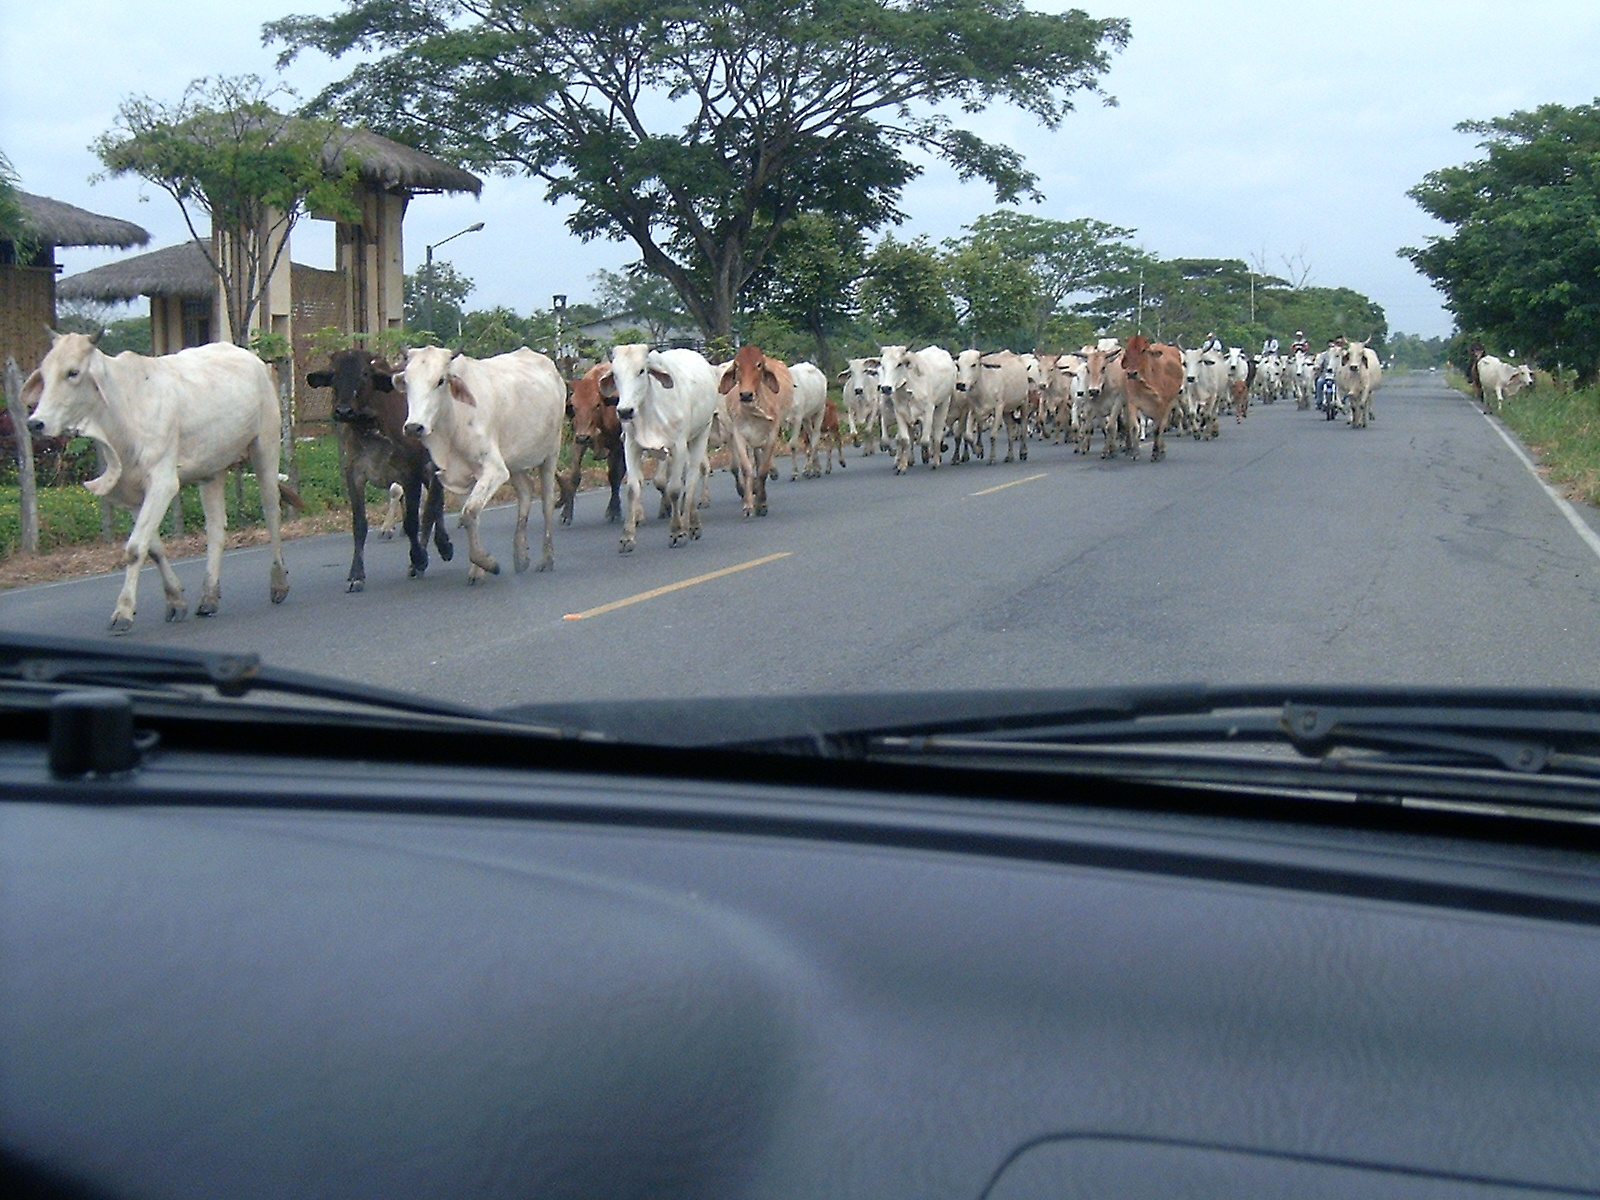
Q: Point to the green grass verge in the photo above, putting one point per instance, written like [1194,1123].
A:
[1560,425]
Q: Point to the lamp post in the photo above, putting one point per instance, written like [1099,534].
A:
[427,296]
[558,305]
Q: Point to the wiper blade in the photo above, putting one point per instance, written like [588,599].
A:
[50,662]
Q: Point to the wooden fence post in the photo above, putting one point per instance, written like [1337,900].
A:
[29,542]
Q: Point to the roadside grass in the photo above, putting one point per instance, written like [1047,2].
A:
[1560,425]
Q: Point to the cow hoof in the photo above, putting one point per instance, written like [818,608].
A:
[120,623]
[386,535]
[278,593]
[416,572]
[761,510]
[206,608]
[519,564]
[566,518]
[547,564]
[177,612]
[675,540]
[748,513]
[694,534]
[357,585]
[626,547]
[446,550]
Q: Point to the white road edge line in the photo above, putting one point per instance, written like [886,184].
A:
[1590,538]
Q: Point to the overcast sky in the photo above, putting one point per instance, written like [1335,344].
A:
[1243,130]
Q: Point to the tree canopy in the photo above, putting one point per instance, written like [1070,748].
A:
[1522,266]
[700,130]
[224,151]
[14,227]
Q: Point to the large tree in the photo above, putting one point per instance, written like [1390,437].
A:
[809,280]
[1523,264]
[238,167]
[700,129]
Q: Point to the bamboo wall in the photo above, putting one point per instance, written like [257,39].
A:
[27,305]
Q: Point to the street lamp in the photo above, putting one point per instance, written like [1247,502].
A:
[427,309]
[558,304]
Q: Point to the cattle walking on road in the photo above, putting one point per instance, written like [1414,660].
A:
[757,390]
[595,428]
[1358,375]
[163,422]
[1155,377]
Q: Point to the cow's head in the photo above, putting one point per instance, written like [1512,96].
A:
[1191,366]
[859,379]
[591,412]
[635,370]
[65,390]
[967,367]
[1353,357]
[749,372]
[432,390]
[897,366]
[1133,354]
[355,376]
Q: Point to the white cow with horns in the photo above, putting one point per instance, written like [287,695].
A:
[486,421]
[163,422]
[665,400]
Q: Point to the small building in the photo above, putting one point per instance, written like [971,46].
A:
[28,281]
[363,293]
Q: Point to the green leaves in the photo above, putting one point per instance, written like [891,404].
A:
[698,129]
[1523,265]
[14,226]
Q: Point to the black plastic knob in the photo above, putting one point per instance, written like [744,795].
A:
[91,732]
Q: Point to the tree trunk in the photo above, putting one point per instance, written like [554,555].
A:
[29,539]
[286,409]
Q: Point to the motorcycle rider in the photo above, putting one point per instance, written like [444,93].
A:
[1269,347]
[1300,344]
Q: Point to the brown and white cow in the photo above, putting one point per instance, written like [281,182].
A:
[595,428]
[756,391]
[1104,394]
[374,448]
[1155,378]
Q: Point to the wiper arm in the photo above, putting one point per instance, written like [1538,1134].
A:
[30,659]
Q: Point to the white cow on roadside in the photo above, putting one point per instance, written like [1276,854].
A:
[163,422]
[916,388]
[666,400]
[486,422]
[1500,379]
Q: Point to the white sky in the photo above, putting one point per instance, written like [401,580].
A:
[1242,128]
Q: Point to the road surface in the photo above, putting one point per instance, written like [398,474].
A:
[1291,550]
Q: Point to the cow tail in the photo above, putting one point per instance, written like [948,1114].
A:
[287,495]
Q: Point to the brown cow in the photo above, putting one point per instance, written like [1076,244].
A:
[830,435]
[1240,390]
[595,428]
[757,392]
[1105,387]
[1155,378]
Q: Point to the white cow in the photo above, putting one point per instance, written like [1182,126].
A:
[1358,376]
[1239,373]
[916,387]
[998,384]
[1500,379]
[1205,384]
[862,409]
[805,417]
[485,422]
[1301,376]
[666,400]
[162,422]
[810,397]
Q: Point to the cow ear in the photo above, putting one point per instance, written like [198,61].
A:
[771,380]
[608,387]
[725,385]
[874,364]
[383,380]
[661,377]
[397,381]
[843,375]
[320,379]
[461,393]
[32,390]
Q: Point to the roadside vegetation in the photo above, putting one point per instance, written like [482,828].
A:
[1559,423]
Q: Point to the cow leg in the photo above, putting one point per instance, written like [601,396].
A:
[747,480]
[411,515]
[522,484]
[614,481]
[177,610]
[355,488]
[435,518]
[763,460]
[392,513]
[813,444]
[569,487]
[633,507]
[163,486]
[694,481]
[264,454]
[214,500]
[491,477]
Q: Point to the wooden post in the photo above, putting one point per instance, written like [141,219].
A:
[29,543]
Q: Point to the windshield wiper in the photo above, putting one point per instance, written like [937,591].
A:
[49,664]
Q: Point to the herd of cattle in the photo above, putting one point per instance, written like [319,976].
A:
[442,421]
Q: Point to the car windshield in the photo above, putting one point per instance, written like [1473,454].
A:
[527,356]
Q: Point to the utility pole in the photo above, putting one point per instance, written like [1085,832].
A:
[558,305]
[427,295]
[1139,322]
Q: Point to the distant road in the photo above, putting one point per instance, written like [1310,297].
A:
[1290,550]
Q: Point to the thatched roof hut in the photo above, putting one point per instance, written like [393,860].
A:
[177,271]
[57,223]
[390,165]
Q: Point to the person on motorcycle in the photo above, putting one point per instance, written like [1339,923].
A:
[1300,344]
[1212,342]
[1269,347]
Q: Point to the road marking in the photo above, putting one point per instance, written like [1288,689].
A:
[602,609]
[1000,487]
[1574,518]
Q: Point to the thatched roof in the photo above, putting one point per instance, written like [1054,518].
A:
[56,223]
[176,271]
[390,164]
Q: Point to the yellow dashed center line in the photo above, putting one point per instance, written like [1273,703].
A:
[1000,487]
[602,609]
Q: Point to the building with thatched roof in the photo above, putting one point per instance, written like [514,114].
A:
[28,278]
[364,293]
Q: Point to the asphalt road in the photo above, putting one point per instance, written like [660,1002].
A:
[1290,550]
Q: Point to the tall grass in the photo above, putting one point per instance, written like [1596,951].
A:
[1560,425]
